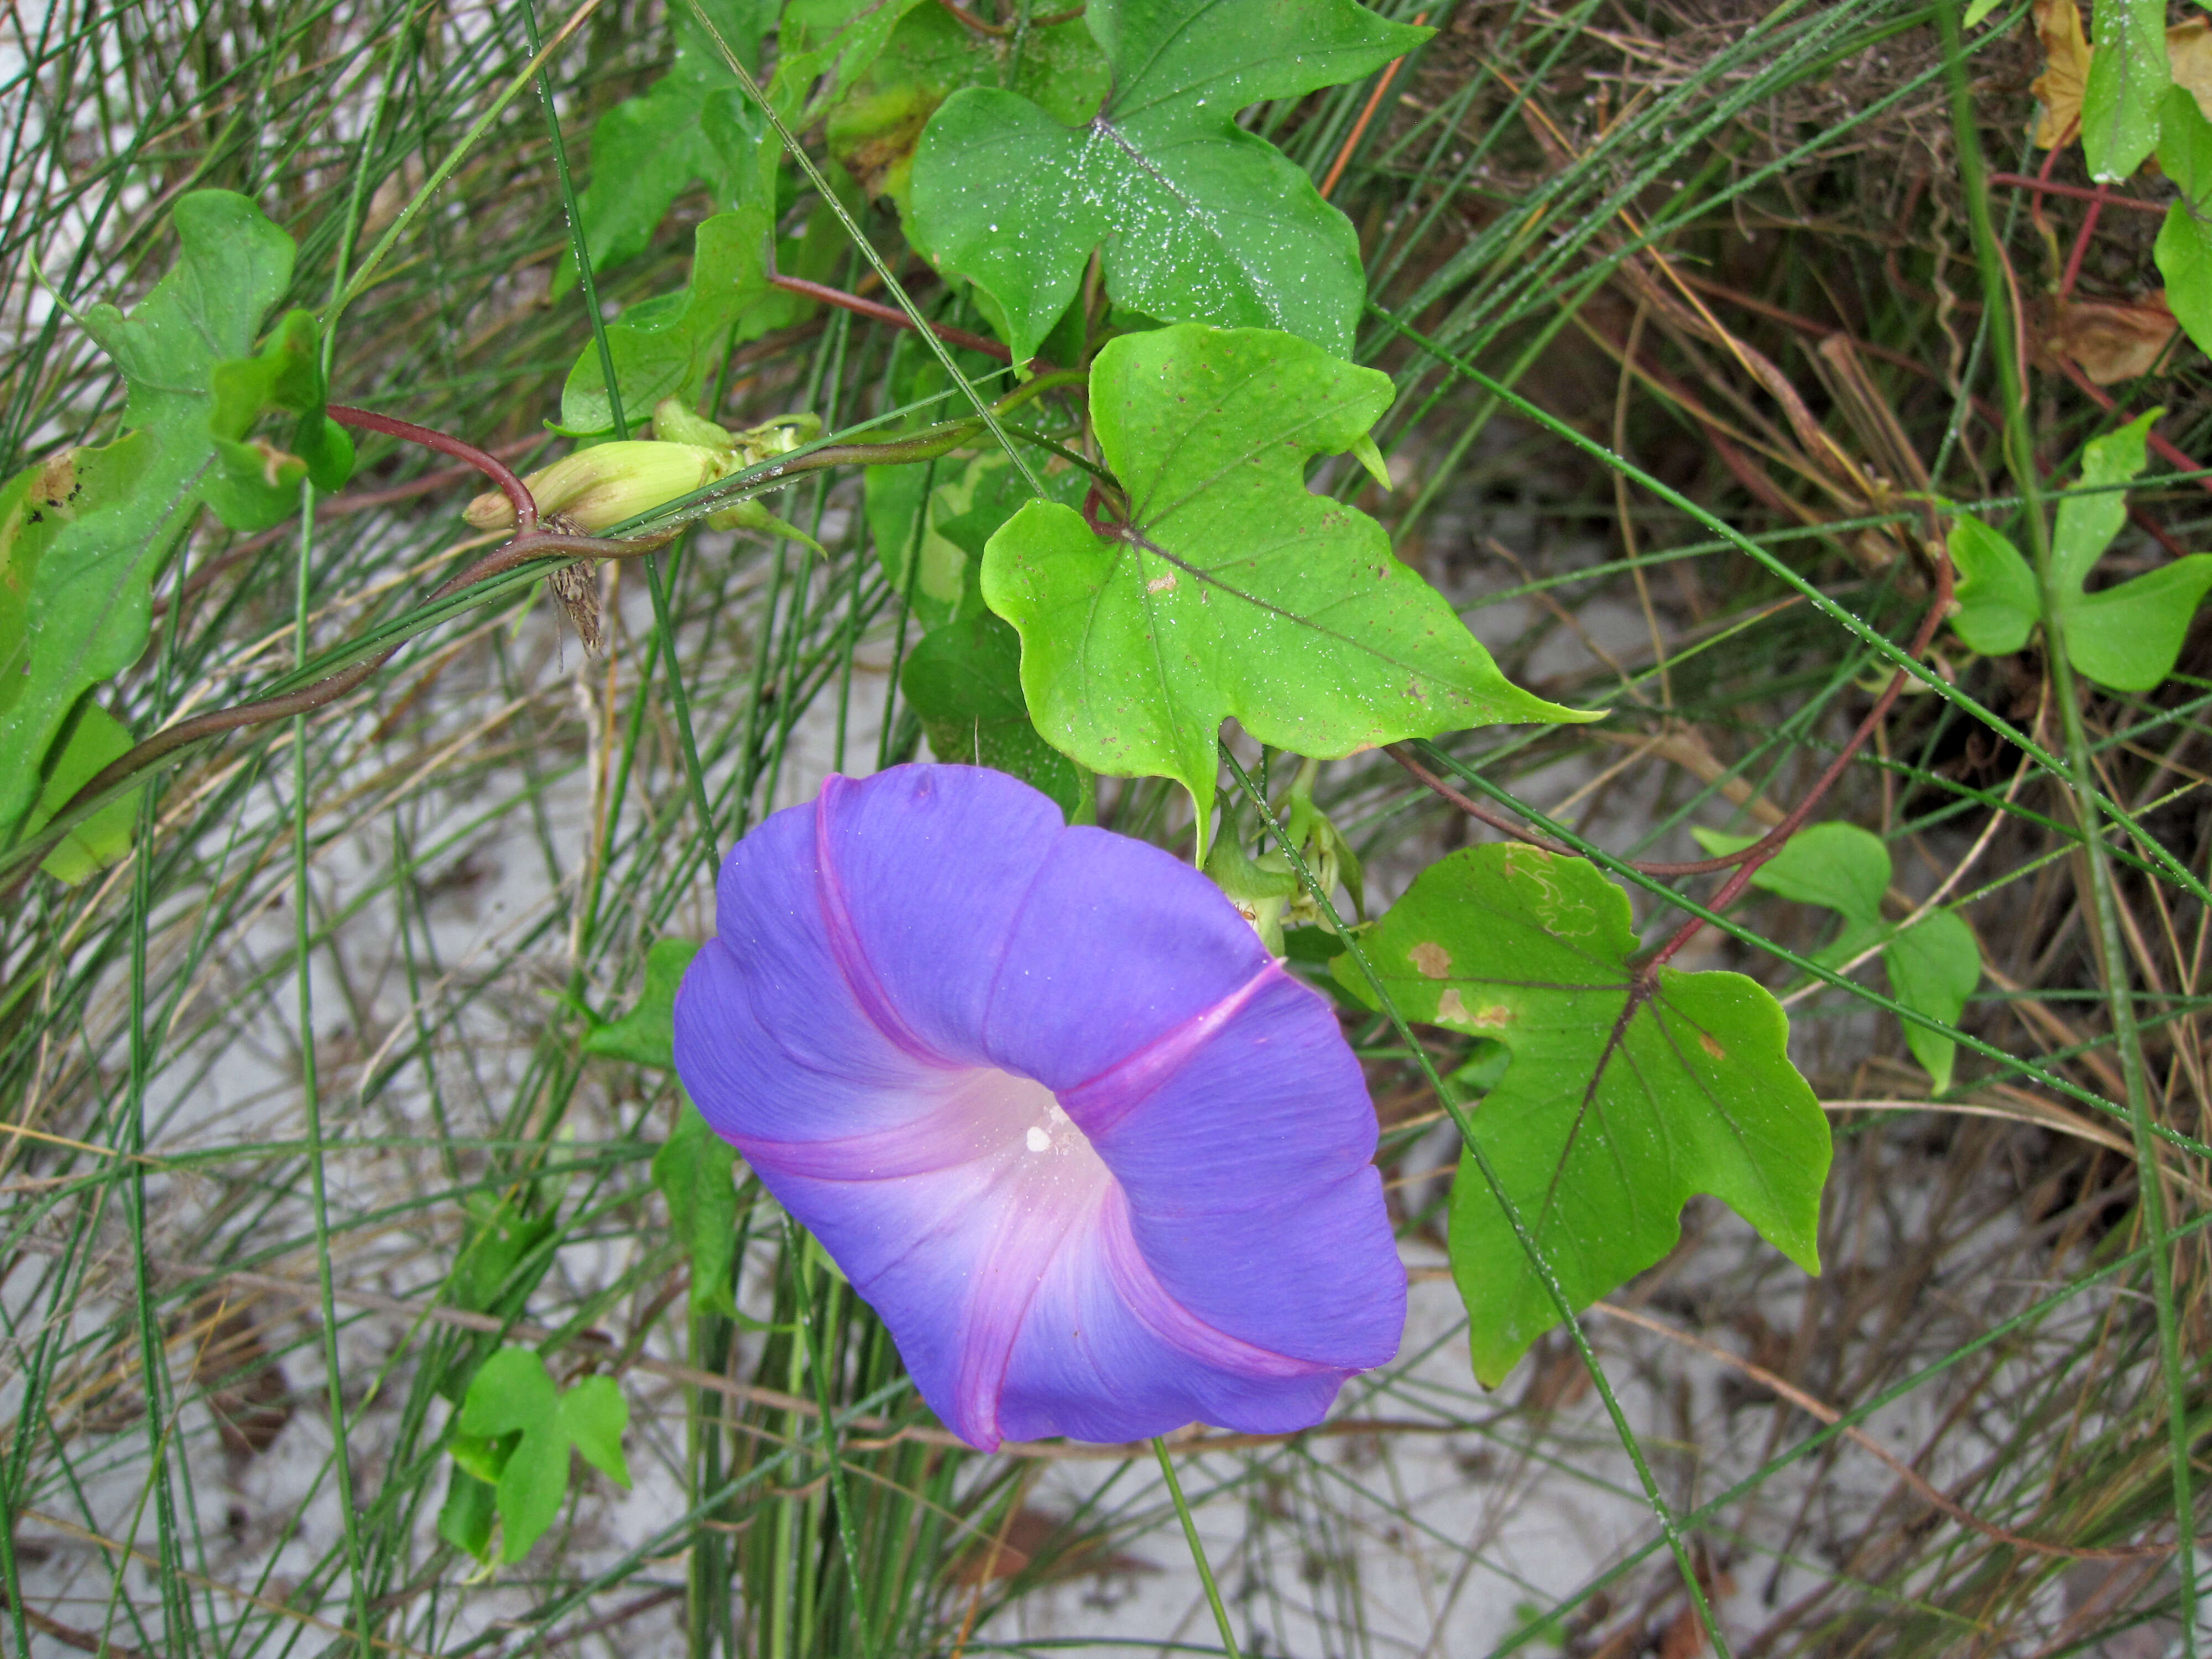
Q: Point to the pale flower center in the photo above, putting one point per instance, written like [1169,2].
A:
[1004,1116]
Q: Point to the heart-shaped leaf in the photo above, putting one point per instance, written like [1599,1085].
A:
[1199,221]
[1231,590]
[1625,1093]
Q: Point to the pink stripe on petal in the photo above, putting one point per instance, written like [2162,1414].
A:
[844,944]
[1100,1102]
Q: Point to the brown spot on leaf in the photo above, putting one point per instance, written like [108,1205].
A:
[1431,958]
[1711,1046]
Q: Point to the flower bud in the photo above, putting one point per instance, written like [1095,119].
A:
[602,486]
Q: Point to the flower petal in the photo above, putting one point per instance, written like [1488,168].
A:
[924,868]
[1116,943]
[1250,1181]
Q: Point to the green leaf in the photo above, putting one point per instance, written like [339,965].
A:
[1839,866]
[98,842]
[1234,591]
[2128,78]
[693,125]
[666,346]
[2184,144]
[593,1415]
[1934,966]
[512,1394]
[645,1035]
[1622,1099]
[2086,523]
[1997,603]
[930,56]
[823,49]
[2183,252]
[465,1520]
[257,484]
[1199,221]
[80,558]
[2128,637]
[695,1172]
[1977,11]
[964,680]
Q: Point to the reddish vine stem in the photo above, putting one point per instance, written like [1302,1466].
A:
[2079,192]
[1745,861]
[525,506]
[522,551]
[1774,840]
[891,314]
[531,543]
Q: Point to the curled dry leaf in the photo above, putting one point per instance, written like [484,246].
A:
[2109,341]
[2065,72]
[2066,68]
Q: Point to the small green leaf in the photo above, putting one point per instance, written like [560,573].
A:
[2128,78]
[2086,523]
[964,680]
[1839,866]
[1199,221]
[2128,637]
[512,1394]
[2183,252]
[1623,1098]
[695,1172]
[593,1414]
[1233,591]
[2184,144]
[645,1035]
[666,346]
[2125,637]
[465,1520]
[97,739]
[1934,966]
[693,125]
[1978,10]
[257,485]
[1997,603]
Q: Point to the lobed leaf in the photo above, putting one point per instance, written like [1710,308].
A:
[1196,220]
[83,535]
[1624,1096]
[1232,590]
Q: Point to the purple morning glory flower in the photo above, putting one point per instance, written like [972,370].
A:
[1102,1167]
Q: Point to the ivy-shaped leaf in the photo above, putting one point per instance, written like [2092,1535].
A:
[646,1035]
[2128,78]
[81,543]
[1231,590]
[1625,1093]
[964,681]
[513,1434]
[1933,966]
[695,1171]
[930,56]
[1199,221]
[2125,637]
